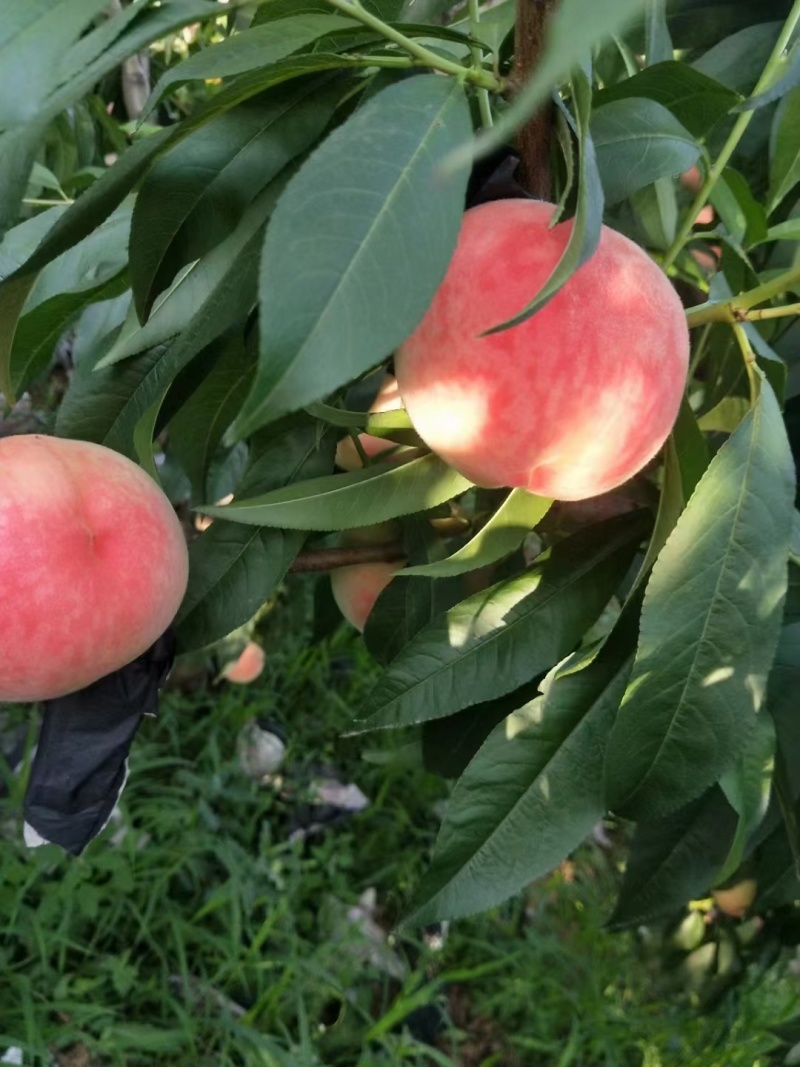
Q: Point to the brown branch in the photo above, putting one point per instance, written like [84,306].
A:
[533,139]
[328,559]
[134,73]
[136,84]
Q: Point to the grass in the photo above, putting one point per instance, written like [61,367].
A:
[195,933]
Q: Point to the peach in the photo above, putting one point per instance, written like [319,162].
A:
[247,667]
[692,179]
[356,588]
[567,404]
[388,399]
[736,899]
[93,565]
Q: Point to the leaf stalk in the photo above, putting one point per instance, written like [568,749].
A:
[740,308]
[478,76]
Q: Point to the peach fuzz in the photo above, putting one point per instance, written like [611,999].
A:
[387,399]
[93,565]
[356,588]
[247,667]
[569,403]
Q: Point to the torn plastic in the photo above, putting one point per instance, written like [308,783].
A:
[81,760]
[329,801]
[261,748]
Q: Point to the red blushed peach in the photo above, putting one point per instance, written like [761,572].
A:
[247,667]
[356,588]
[569,403]
[93,565]
[692,180]
[347,457]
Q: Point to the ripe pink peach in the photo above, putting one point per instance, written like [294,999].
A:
[356,588]
[93,565]
[569,403]
[248,666]
[388,399]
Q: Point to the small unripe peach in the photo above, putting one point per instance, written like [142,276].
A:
[388,399]
[736,899]
[356,588]
[567,404]
[93,565]
[247,667]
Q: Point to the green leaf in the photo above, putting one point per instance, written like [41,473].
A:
[775,872]
[32,43]
[197,192]
[709,626]
[105,194]
[345,501]
[638,141]
[725,416]
[80,220]
[691,450]
[450,744]
[788,79]
[744,218]
[270,10]
[784,680]
[503,533]
[197,430]
[782,231]
[670,506]
[585,234]
[106,405]
[233,569]
[659,43]
[19,243]
[404,608]
[685,461]
[369,225]
[768,361]
[39,331]
[656,210]
[197,285]
[784,171]
[739,60]
[79,69]
[531,794]
[701,23]
[92,271]
[495,25]
[673,859]
[259,47]
[143,440]
[575,29]
[18,148]
[696,101]
[497,640]
[103,49]
[747,788]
